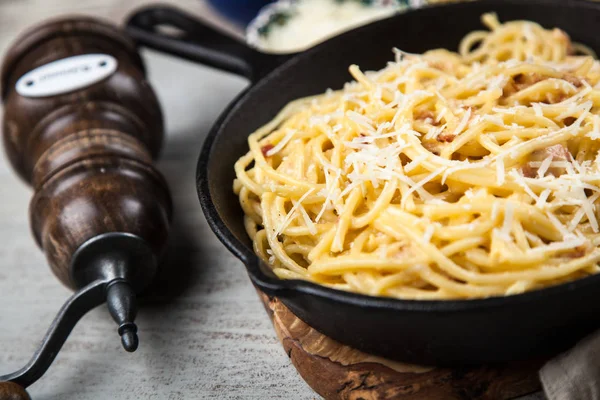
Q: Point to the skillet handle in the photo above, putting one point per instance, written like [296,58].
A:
[194,40]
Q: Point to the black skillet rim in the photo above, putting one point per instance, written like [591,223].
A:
[284,288]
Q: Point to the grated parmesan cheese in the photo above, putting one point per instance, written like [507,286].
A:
[500,172]
[508,221]
[429,231]
[463,123]
[544,166]
[288,218]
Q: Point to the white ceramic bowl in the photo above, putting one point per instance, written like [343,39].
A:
[287,26]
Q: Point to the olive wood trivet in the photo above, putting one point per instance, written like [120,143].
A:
[336,371]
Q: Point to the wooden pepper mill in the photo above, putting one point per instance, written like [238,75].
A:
[82,126]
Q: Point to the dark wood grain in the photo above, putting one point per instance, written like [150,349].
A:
[12,391]
[87,153]
[336,371]
[124,99]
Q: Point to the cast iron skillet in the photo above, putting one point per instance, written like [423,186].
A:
[430,332]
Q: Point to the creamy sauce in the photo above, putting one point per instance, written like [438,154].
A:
[313,21]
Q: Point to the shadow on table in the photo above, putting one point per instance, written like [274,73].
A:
[181,267]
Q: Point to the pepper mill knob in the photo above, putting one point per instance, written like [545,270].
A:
[82,126]
[121,302]
[12,391]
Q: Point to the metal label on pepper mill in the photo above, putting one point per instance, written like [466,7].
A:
[66,75]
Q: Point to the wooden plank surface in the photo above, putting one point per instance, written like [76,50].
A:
[206,336]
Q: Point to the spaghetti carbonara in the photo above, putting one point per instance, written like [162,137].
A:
[443,175]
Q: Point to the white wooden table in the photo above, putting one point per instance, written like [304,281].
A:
[207,336]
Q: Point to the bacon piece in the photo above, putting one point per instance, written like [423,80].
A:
[441,65]
[574,80]
[558,152]
[266,148]
[445,137]
[577,253]
[520,82]
[432,147]
[529,171]
[523,81]
[556,98]
[580,251]
[426,116]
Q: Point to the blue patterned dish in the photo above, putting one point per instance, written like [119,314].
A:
[240,11]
